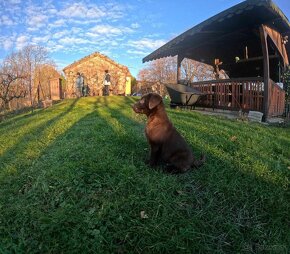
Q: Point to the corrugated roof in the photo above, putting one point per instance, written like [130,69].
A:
[249,13]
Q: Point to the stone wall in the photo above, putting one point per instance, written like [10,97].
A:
[93,68]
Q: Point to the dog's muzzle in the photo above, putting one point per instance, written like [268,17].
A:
[136,109]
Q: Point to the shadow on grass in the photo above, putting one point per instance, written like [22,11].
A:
[85,191]
[21,123]
[33,134]
[84,159]
[18,120]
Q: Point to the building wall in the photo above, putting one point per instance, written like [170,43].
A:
[93,68]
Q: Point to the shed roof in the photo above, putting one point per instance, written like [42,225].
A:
[219,35]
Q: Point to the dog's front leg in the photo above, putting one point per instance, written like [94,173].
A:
[154,155]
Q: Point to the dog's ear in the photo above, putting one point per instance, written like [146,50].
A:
[154,100]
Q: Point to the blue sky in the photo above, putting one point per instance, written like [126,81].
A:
[124,30]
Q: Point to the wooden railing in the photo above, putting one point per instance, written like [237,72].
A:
[232,94]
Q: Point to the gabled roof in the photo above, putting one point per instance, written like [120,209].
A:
[217,34]
[97,54]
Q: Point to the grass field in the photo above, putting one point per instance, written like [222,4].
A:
[73,180]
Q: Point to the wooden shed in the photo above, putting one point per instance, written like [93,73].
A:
[250,42]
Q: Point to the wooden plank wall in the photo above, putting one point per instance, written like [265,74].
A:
[276,100]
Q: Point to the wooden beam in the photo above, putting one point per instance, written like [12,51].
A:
[266,101]
[256,58]
[179,60]
[277,39]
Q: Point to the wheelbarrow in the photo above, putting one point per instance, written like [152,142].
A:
[182,95]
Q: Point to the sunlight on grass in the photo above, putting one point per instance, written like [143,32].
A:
[113,122]
[248,145]
[11,136]
[75,173]
[38,137]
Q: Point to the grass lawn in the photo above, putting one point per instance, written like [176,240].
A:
[73,180]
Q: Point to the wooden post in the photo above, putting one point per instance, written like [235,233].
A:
[266,101]
[38,94]
[49,85]
[179,60]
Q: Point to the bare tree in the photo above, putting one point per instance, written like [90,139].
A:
[162,70]
[12,81]
[18,73]
[165,70]
[196,71]
[157,72]
[30,59]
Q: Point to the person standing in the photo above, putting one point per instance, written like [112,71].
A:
[79,85]
[107,83]
[85,88]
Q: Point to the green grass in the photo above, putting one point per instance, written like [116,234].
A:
[73,180]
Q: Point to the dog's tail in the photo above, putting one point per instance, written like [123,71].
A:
[200,162]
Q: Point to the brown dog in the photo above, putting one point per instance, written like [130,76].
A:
[167,145]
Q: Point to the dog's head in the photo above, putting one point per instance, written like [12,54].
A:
[147,104]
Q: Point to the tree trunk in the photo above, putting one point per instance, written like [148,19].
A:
[7,105]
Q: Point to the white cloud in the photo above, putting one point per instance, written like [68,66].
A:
[32,29]
[21,41]
[11,8]
[146,43]
[81,11]
[75,10]
[55,48]
[114,43]
[61,63]
[135,25]
[7,43]
[60,34]
[106,52]
[115,11]
[37,21]
[106,29]
[93,35]
[76,30]
[41,39]
[51,11]
[95,12]
[110,30]
[82,22]
[15,1]
[137,52]
[73,41]
[90,13]
[6,21]
[58,23]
